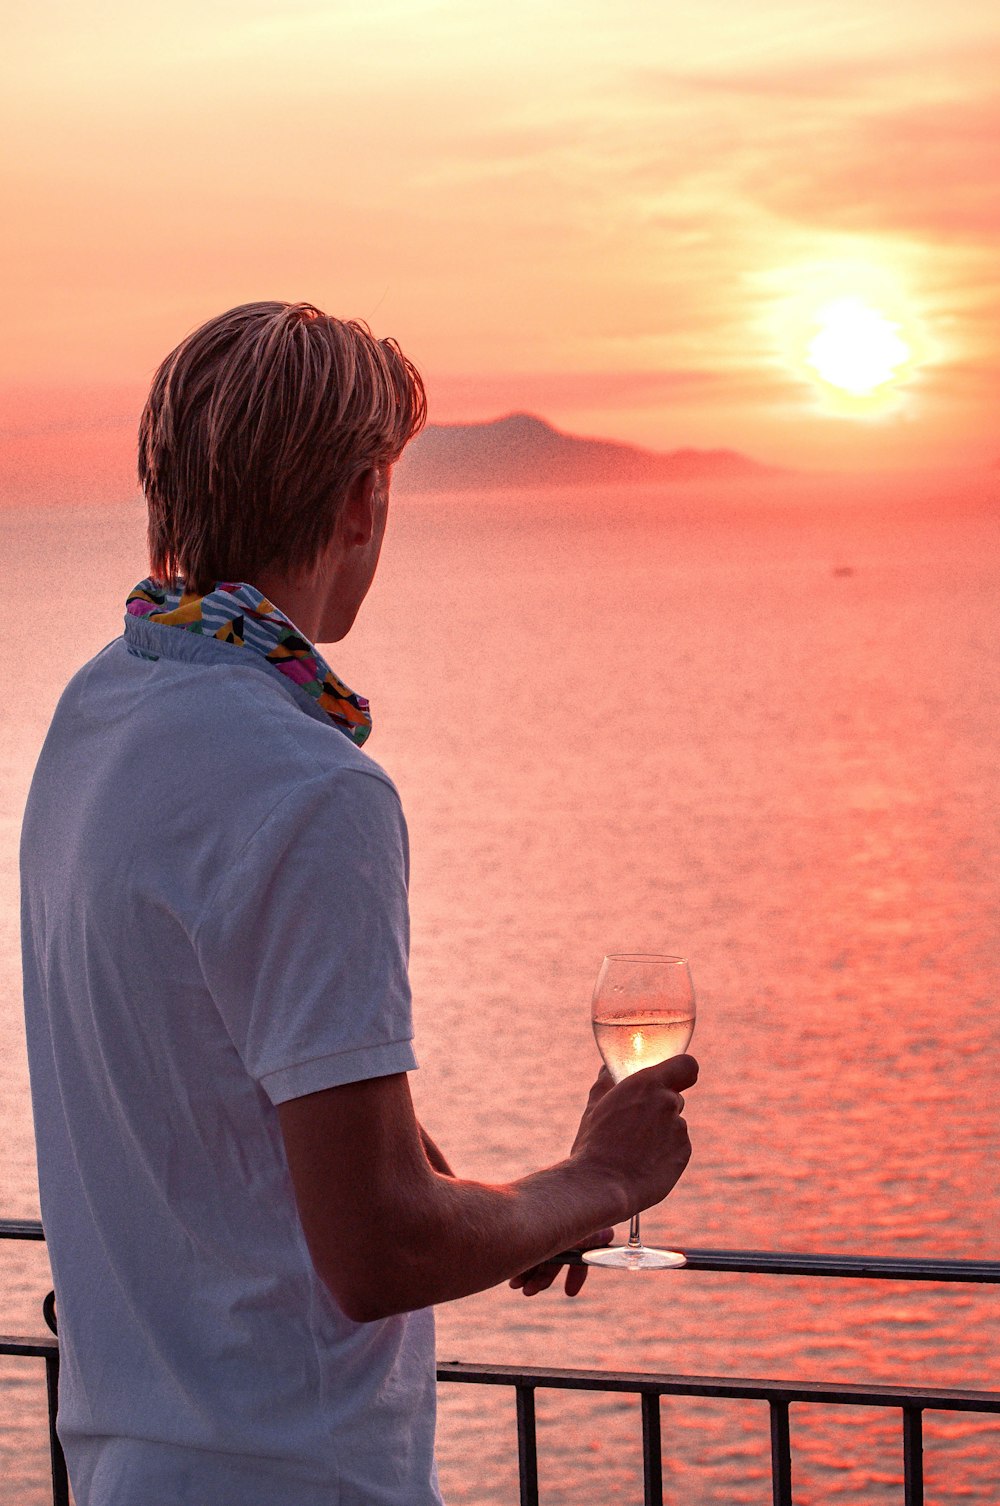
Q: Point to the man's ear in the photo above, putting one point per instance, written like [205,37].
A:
[357,516]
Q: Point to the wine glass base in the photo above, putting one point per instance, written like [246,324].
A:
[624,1258]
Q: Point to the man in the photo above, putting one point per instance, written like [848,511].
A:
[246,1223]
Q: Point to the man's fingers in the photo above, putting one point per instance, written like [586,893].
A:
[541,1277]
[576,1275]
[678,1073]
[538,1279]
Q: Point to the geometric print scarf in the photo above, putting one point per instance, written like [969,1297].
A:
[238,613]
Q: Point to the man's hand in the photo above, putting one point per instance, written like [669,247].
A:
[634,1132]
[541,1277]
[618,1118]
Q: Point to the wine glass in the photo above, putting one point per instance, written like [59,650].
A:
[643,1012]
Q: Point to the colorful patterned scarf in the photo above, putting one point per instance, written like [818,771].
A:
[238,613]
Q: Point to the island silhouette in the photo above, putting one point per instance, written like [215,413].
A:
[522,449]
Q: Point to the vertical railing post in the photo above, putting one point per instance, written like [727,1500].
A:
[781,1455]
[60,1479]
[527,1448]
[652,1458]
[913,1457]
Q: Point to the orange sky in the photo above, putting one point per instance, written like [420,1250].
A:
[620,215]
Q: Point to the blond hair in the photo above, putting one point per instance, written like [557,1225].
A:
[255,427]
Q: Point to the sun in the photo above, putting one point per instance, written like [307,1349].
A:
[850,331]
[857,349]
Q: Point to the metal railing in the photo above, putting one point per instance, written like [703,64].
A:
[45,1348]
[910,1402]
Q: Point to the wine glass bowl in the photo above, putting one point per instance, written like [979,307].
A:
[643,1012]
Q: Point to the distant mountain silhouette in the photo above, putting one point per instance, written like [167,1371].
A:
[523,450]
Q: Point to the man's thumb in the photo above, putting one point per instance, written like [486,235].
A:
[679,1072]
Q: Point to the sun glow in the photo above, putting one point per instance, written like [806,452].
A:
[850,330]
[857,349]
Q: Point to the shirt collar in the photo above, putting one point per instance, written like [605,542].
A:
[236,613]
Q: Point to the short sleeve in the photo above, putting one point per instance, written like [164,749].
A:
[305,943]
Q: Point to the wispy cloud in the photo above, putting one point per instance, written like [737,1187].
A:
[583,210]
[928,171]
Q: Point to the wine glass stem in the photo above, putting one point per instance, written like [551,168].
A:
[634,1242]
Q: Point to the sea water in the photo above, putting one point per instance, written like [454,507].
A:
[756,726]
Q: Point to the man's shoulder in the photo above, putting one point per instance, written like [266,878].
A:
[229,736]
[206,705]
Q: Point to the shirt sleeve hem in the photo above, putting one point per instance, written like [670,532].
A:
[339,1068]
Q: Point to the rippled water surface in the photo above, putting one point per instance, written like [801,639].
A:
[760,729]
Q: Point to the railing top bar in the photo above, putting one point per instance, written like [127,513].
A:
[900,1268]
[790,1263]
[758,1262]
[729,1387]
[39,1348]
[21,1228]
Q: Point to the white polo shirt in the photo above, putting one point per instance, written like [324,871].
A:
[214,920]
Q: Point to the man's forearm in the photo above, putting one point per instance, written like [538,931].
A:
[390,1228]
[455,1237]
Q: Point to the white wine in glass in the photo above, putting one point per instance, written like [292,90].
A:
[643,1012]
